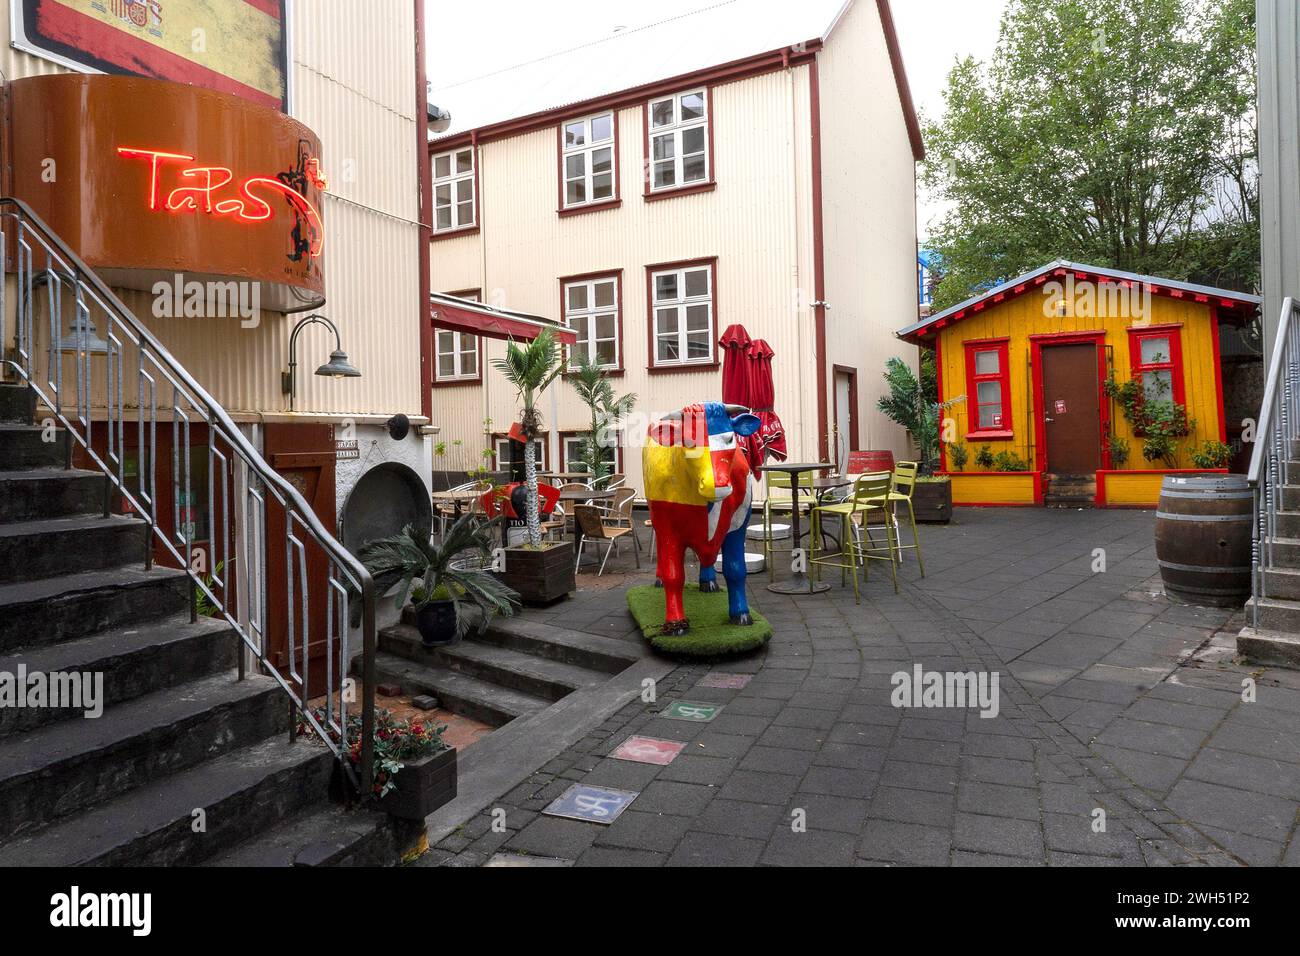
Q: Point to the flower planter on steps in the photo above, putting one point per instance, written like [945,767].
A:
[422,786]
[540,576]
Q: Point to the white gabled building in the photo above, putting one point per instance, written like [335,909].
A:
[750,163]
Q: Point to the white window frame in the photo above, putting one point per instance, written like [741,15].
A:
[587,150]
[676,129]
[459,349]
[574,463]
[452,181]
[681,303]
[501,443]
[590,313]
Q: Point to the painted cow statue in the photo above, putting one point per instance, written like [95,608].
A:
[697,481]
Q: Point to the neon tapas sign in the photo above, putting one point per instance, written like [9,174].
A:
[201,187]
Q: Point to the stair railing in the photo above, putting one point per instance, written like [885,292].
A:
[1270,460]
[112,395]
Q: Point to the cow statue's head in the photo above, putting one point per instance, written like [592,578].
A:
[689,455]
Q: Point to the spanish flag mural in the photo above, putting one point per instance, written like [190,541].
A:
[236,46]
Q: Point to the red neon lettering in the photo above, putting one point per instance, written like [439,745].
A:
[248,206]
[187,196]
[155,156]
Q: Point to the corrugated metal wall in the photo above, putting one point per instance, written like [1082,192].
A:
[353,83]
[751,222]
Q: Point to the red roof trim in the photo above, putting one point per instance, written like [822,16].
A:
[740,69]
[900,80]
[492,326]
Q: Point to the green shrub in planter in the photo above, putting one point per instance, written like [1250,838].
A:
[984,458]
[958,455]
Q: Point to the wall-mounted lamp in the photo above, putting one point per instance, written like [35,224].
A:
[337,367]
[82,336]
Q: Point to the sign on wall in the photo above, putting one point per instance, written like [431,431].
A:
[235,46]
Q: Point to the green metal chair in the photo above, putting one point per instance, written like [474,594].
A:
[870,494]
[782,498]
[900,492]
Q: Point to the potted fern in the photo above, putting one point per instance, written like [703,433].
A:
[450,575]
[540,572]
[912,402]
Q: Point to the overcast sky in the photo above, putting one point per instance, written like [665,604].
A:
[933,33]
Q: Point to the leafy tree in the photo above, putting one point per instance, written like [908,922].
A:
[1114,132]
[597,392]
[530,369]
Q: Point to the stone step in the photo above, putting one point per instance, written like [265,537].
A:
[1282,583]
[327,835]
[1272,648]
[61,769]
[1288,524]
[1286,552]
[605,654]
[26,446]
[1291,497]
[43,549]
[241,792]
[134,660]
[49,493]
[44,611]
[17,404]
[538,676]
[1275,614]
[459,693]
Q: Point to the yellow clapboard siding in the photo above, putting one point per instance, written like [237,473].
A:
[1033,313]
[986,489]
[1133,488]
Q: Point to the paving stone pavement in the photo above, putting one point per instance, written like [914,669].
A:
[1117,707]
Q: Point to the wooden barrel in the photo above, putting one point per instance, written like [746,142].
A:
[1203,538]
[869,462]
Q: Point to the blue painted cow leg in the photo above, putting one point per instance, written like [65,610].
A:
[709,580]
[733,568]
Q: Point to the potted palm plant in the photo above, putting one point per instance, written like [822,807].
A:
[449,581]
[913,403]
[597,393]
[540,572]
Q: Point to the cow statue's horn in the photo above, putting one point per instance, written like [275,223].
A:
[734,410]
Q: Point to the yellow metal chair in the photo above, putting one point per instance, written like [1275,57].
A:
[782,498]
[900,492]
[870,494]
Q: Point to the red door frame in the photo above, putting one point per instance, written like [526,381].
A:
[1036,345]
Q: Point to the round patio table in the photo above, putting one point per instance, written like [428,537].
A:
[457,498]
[799,582]
[579,476]
[582,495]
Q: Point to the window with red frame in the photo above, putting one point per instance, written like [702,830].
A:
[988,385]
[1156,360]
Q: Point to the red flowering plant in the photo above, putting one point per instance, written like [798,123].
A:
[396,740]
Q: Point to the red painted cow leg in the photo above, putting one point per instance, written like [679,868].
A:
[672,552]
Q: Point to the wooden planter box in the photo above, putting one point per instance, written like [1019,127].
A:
[422,786]
[932,502]
[1139,487]
[993,488]
[543,576]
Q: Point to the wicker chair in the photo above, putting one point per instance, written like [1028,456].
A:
[595,528]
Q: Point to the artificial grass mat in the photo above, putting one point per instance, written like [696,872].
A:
[711,635]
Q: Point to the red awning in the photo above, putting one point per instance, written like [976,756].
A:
[466,315]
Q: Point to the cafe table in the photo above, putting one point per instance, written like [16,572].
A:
[581,496]
[799,582]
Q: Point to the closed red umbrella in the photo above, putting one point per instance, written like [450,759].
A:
[762,392]
[736,372]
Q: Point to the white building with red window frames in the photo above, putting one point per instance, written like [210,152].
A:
[747,164]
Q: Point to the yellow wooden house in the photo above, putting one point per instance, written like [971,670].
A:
[1061,382]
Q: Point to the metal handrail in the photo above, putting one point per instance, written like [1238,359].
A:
[45,262]
[1270,460]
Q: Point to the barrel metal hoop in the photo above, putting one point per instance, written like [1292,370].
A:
[1200,568]
[1169,516]
[1215,495]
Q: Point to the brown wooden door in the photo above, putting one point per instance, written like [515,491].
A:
[1071,409]
[304,455]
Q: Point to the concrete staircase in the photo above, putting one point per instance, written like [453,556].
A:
[186,763]
[516,668]
[1276,641]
